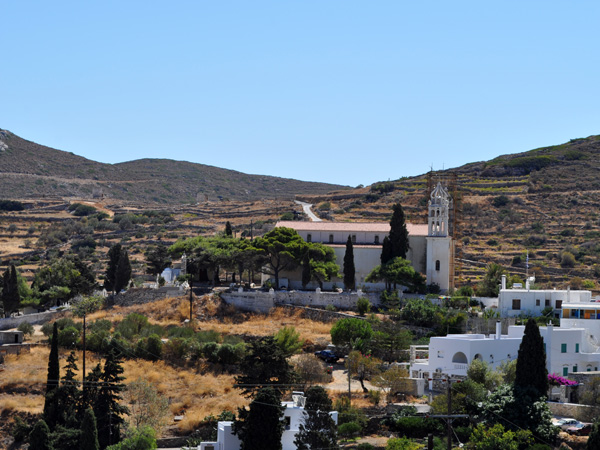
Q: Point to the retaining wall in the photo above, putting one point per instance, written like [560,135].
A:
[584,413]
[34,319]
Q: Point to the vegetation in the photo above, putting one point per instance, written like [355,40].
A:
[349,269]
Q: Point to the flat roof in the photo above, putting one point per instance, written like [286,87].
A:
[376,227]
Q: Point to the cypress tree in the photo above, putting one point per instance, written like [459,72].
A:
[306,275]
[260,427]
[89,431]
[39,438]
[319,429]
[51,404]
[386,250]
[398,233]
[531,372]
[90,388]
[228,230]
[123,273]
[114,254]
[349,269]
[10,291]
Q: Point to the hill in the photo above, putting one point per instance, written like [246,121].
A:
[545,201]
[30,170]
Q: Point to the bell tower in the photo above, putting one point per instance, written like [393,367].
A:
[439,242]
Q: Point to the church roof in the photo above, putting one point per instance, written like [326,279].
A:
[375,227]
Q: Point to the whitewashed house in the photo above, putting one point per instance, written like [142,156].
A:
[572,347]
[431,249]
[293,417]
[517,301]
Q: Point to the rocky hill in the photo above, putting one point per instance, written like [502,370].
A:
[545,201]
[30,170]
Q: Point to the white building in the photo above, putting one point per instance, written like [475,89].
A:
[431,246]
[293,417]
[572,347]
[527,302]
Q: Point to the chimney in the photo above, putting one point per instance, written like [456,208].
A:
[527,284]
[503,282]
[498,330]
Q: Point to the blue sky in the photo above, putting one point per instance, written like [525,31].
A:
[345,92]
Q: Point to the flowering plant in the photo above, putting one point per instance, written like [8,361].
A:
[556,380]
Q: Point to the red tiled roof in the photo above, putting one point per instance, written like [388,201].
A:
[377,227]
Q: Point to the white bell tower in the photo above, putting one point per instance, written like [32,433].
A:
[439,242]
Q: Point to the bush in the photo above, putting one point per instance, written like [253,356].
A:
[154,347]
[68,337]
[209,351]
[176,349]
[417,427]
[26,328]
[132,325]
[567,259]
[402,444]
[363,305]
[501,200]
[11,205]
[226,354]
[365,446]
[139,439]
[349,429]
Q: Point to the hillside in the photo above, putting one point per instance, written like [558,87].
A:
[545,201]
[30,170]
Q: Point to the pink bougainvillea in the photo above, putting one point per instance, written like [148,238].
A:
[556,380]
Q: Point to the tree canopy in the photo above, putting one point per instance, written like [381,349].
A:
[349,268]
[531,361]
[260,426]
[351,333]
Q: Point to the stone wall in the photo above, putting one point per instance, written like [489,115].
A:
[34,319]
[584,413]
[260,301]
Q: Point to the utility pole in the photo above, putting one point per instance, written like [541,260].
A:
[191,301]
[449,416]
[83,372]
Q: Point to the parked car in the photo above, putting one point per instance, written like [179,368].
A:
[583,429]
[564,424]
[327,355]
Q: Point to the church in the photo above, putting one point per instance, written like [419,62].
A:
[431,246]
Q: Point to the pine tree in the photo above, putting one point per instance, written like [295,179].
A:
[90,388]
[349,269]
[10,291]
[264,364]
[386,250]
[51,408]
[398,233]
[306,275]
[319,429]
[531,362]
[109,413]
[260,427]
[228,230]
[69,395]
[89,431]
[39,438]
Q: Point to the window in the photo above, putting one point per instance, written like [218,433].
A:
[576,348]
[331,238]
[558,304]
[516,304]
[377,239]
[563,348]
[589,368]
[574,368]
[354,239]
[309,238]
[547,303]
[565,371]
[537,302]
[437,265]
[440,353]
[287,421]
[209,447]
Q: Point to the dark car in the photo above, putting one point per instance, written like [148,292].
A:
[582,429]
[327,355]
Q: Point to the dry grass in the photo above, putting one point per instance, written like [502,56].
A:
[190,392]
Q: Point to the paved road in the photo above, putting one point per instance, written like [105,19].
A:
[308,212]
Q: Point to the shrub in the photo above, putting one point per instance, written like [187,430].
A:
[417,427]
[363,305]
[501,200]
[365,446]
[330,308]
[349,429]
[68,337]
[11,205]
[176,349]
[402,444]
[26,328]
[132,325]
[567,259]
[226,354]
[209,351]
[154,347]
